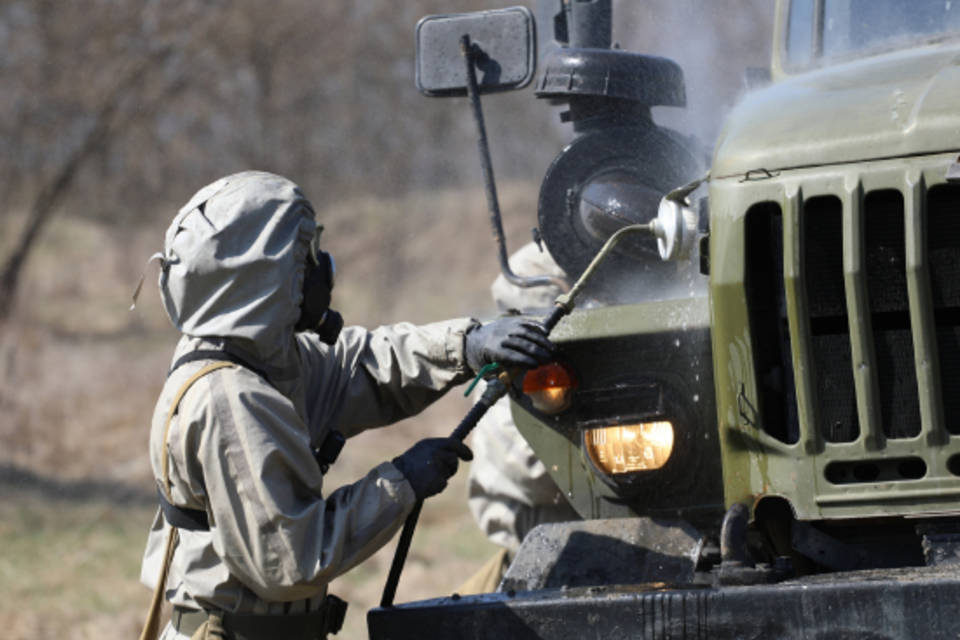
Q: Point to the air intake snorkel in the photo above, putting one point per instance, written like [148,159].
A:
[620,163]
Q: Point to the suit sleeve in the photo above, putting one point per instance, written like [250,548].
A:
[374,378]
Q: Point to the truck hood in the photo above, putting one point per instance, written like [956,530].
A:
[898,104]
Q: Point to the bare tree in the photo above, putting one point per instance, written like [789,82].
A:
[101,71]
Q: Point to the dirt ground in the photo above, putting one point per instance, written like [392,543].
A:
[79,374]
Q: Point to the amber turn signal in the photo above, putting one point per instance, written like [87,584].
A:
[550,387]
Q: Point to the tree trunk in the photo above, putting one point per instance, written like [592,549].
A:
[46,201]
[52,191]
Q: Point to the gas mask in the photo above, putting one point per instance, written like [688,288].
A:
[315,312]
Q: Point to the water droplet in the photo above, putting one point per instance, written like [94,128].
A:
[676,342]
[696,397]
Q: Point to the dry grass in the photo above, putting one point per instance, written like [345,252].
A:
[79,375]
[69,567]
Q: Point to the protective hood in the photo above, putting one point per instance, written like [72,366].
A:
[233,263]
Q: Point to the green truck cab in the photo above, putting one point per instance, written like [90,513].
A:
[763,438]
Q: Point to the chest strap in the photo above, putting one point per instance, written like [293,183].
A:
[183,517]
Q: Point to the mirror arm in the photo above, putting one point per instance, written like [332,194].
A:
[470,53]
[566,301]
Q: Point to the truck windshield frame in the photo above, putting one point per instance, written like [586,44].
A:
[821,32]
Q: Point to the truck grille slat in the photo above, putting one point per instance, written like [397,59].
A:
[926,358]
[864,361]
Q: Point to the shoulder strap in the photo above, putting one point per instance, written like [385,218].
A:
[174,404]
[215,354]
[183,517]
[151,627]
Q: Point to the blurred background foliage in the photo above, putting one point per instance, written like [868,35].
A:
[112,113]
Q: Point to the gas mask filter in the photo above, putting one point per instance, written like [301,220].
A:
[315,312]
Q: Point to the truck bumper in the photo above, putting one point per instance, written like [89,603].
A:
[865,605]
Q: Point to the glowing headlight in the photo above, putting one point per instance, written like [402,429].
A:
[550,387]
[630,447]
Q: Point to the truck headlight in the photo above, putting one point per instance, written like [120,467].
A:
[644,446]
[550,387]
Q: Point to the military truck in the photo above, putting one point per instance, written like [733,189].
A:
[758,418]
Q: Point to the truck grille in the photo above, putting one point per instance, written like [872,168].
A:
[872,283]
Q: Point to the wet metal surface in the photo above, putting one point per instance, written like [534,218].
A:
[868,605]
[598,552]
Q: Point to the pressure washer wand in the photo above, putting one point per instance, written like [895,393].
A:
[496,388]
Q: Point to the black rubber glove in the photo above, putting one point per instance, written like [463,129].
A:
[427,464]
[511,342]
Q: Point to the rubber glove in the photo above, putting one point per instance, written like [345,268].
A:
[429,463]
[512,342]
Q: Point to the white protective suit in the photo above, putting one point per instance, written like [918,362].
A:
[510,490]
[240,443]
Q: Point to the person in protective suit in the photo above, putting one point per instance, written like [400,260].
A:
[510,490]
[262,388]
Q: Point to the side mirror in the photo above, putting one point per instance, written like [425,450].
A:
[675,228]
[676,223]
[504,38]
